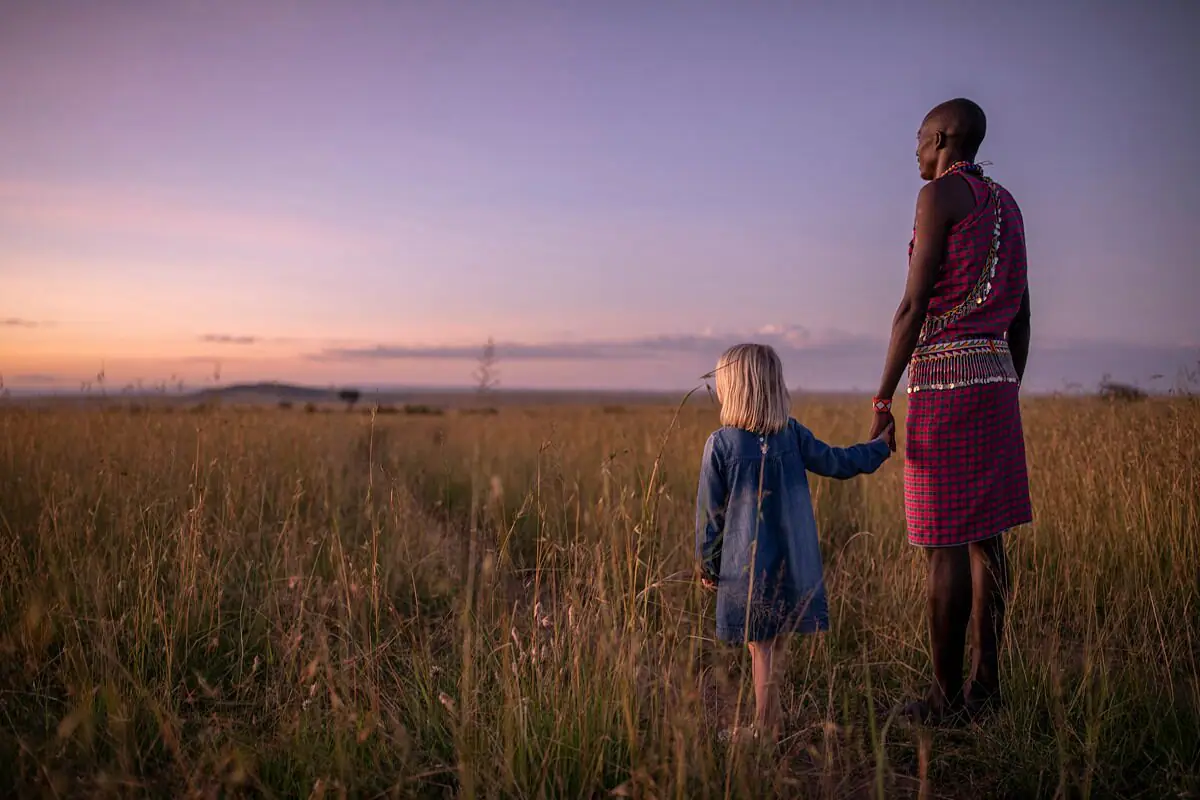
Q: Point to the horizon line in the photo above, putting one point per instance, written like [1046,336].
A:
[365,390]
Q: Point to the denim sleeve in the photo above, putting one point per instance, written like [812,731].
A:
[710,510]
[840,462]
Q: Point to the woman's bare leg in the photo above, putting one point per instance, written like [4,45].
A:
[949,609]
[990,588]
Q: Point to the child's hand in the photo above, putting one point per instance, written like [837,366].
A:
[709,585]
[883,428]
[888,435]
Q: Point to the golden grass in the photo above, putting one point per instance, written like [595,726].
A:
[289,604]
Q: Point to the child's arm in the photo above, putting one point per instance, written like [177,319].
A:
[710,512]
[842,462]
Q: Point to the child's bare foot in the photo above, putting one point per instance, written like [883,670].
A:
[738,735]
[748,733]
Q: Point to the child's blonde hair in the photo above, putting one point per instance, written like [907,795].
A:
[751,389]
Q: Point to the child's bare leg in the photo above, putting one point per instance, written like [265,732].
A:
[767,708]
[779,663]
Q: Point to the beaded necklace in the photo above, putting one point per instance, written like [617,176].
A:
[962,166]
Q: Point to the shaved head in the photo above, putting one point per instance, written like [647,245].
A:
[961,121]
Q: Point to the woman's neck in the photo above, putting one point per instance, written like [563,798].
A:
[950,159]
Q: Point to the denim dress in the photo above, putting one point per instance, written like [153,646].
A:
[756,535]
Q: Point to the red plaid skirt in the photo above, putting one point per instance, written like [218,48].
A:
[965,477]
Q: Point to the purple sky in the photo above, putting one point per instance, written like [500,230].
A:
[364,192]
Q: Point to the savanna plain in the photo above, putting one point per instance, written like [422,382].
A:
[263,601]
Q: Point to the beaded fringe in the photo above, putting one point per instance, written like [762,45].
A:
[964,363]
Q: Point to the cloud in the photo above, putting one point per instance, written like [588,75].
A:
[787,339]
[17,322]
[225,338]
[38,379]
[795,335]
[34,381]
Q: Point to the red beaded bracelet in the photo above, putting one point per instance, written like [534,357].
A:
[883,405]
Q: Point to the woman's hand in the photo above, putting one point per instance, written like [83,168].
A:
[884,428]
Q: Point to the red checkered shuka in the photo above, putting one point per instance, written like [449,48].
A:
[965,474]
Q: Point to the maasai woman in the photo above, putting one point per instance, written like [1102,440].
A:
[962,329]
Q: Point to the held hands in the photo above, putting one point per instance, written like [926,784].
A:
[883,428]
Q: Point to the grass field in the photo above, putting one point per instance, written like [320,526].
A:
[288,604]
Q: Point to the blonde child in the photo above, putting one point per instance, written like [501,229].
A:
[756,536]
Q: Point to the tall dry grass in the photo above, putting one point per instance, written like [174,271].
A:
[285,604]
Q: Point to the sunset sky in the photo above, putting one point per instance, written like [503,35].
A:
[363,192]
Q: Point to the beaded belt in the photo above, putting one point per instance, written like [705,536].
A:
[966,362]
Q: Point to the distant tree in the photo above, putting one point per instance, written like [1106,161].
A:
[1112,390]
[349,397]
[486,375]
[1187,384]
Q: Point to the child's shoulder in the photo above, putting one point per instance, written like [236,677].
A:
[798,427]
[718,439]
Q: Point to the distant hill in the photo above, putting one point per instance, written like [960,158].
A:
[274,393]
[266,392]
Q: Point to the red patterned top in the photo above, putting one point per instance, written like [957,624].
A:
[975,296]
